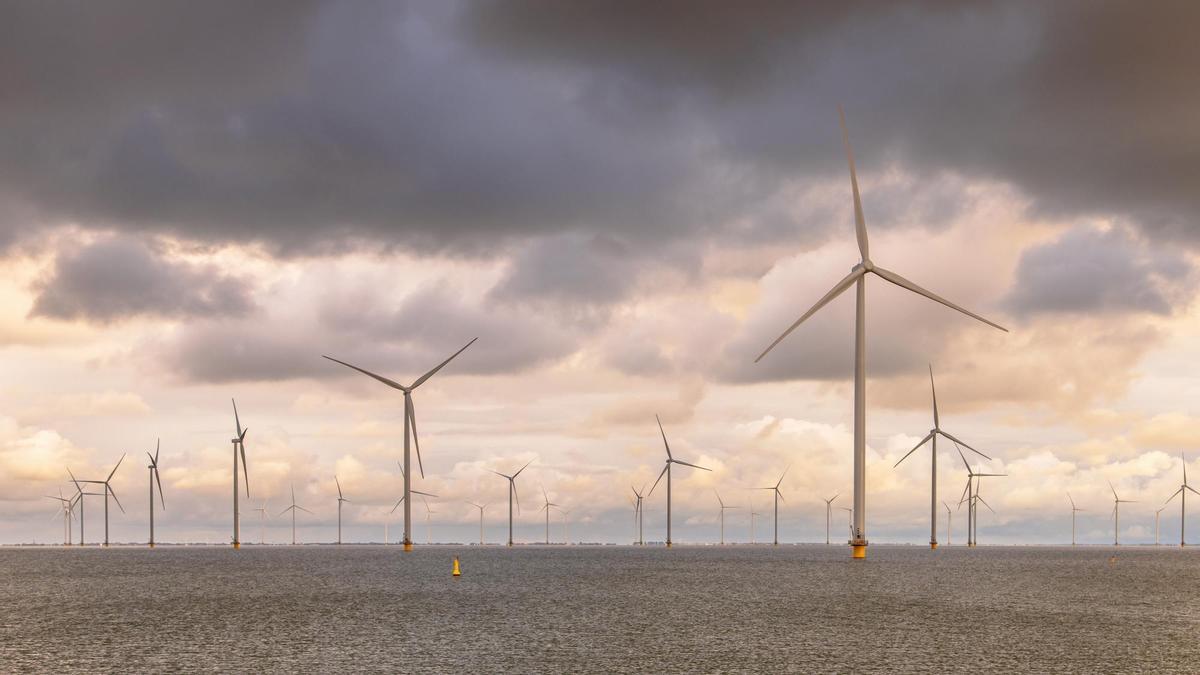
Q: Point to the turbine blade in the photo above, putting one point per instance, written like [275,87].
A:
[660,475]
[777,491]
[391,383]
[933,389]
[781,476]
[905,283]
[860,223]
[424,494]
[339,486]
[398,503]
[1174,495]
[157,447]
[245,469]
[114,471]
[915,447]
[426,376]
[158,479]
[664,436]
[518,473]
[984,502]
[1192,489]
[1114,491]
[837,290]
[957,441]
[694,466]
[1072,500]
[303,509]
[236,420]
[114,496]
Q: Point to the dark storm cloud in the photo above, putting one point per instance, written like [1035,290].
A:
[458,128]
[121,277]
[1093,271]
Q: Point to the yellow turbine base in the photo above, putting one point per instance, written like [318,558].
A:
[408,546]
[668,544]
[237,545]
[456,572]
[860,551]
[151,544]
[933,546]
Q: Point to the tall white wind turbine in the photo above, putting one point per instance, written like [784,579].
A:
[239,448]
[828,515]
[1182,493]
[340,499]
[512,494]
[857,278]
[723,508]
[107,483]
[1074,510]
[154,478]
[931,438]
[778,495]
[293,508]
[1117,502]
[410,425]
[667,471]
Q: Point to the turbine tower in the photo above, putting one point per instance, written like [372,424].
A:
[154,478]
[410,424]
[723,507]
[931,438]
[857,278]
[293,508]
[239,448]
[667,470]
[1182,493]
[1117,502]
[107,483]
[1074,510]
[637,513]
[339,500]
[778,496]
[828,516]
[546,507]
[481,507]
[512,493]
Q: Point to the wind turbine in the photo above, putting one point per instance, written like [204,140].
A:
[949,522]
[637,513]
[154,477]
[546,507]
[340,500]
[79,497]
[107,483]
[753,514]
[857,278]
[723,507]
[778,496]
[1117,502]
[667,470]
[1156,514]
[239,448]
[931,438]
[262,523]
[410,422]
[512,493]
[1183,500]
[971,496]
[828,516]
[428,526]
[68,512]
[849,519]
[1074,510]
[481,507]
[293,508]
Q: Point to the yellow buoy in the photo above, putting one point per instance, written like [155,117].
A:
[456,571]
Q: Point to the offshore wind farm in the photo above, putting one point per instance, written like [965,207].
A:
[609,249]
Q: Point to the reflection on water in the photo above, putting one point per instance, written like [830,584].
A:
[604,609]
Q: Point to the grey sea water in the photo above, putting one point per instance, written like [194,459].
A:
[600,609]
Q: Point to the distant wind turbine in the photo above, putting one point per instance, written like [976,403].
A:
[410,423]
[262,522]
[1183,500]
[239,448]
[1156,514]
[949,522]
[1117,502]
[512,494]
[637,513]
[107,483]
[154,477]
[293,508]
[1074,510]
[546,507]
[857,278]
[849,519]
[481,507]
[828,516]
[778,495]
[340,499]
[931,438]
[67,508]
[667,471]
[723,507]
[971,497]
[428,525]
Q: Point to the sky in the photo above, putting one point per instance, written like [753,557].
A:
[625,203]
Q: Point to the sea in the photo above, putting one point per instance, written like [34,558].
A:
[600,609]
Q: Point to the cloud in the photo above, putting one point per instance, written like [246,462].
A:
[1094,271]
[120,277]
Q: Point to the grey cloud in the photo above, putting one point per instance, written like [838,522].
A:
[1089,271]
[120,277]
